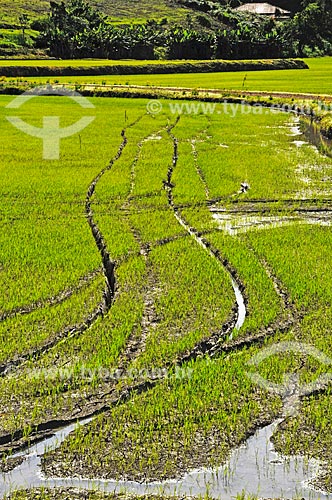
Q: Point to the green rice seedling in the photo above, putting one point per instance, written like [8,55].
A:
[306,268]
[190,306]
[316,80]
[22,334]
[196,420]
[170,293]
[264,305]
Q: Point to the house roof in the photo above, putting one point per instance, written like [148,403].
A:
[262,8]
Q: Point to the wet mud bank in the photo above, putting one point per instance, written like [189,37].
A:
[316,135]
[254,466]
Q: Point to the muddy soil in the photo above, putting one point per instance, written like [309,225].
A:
[202,448]
[10,464]
[78,494]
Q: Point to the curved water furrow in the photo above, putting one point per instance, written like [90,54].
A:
[198,482]
[289,317]
[94,406]
[66,333]
[136,345]
[133,347]
[212,346]
[51,301]
[97,405]
[108,264]
[281,325]
[108,269]
[237,285]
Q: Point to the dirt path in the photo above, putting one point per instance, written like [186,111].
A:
[204,91]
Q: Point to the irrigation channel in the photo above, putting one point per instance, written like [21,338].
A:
[254,467]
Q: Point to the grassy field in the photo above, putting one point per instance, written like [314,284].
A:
[316,80]
[154,201]
[119,11]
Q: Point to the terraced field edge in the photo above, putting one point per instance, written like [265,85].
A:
[133,68]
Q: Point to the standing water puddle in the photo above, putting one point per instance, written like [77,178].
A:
[254,467]
[29,473]
[234,223]
[310,131]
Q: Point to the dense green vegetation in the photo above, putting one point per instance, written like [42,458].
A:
[210,30]
[171,295]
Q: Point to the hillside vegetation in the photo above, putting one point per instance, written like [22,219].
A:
[118,10]
[185,29]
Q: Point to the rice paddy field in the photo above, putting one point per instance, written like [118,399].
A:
[166,283]
[315,80]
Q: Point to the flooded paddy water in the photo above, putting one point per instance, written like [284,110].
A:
[240,222]
[254,467]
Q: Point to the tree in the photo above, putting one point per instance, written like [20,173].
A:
[24,23]
[186,43]
[73,28]
[306,27]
